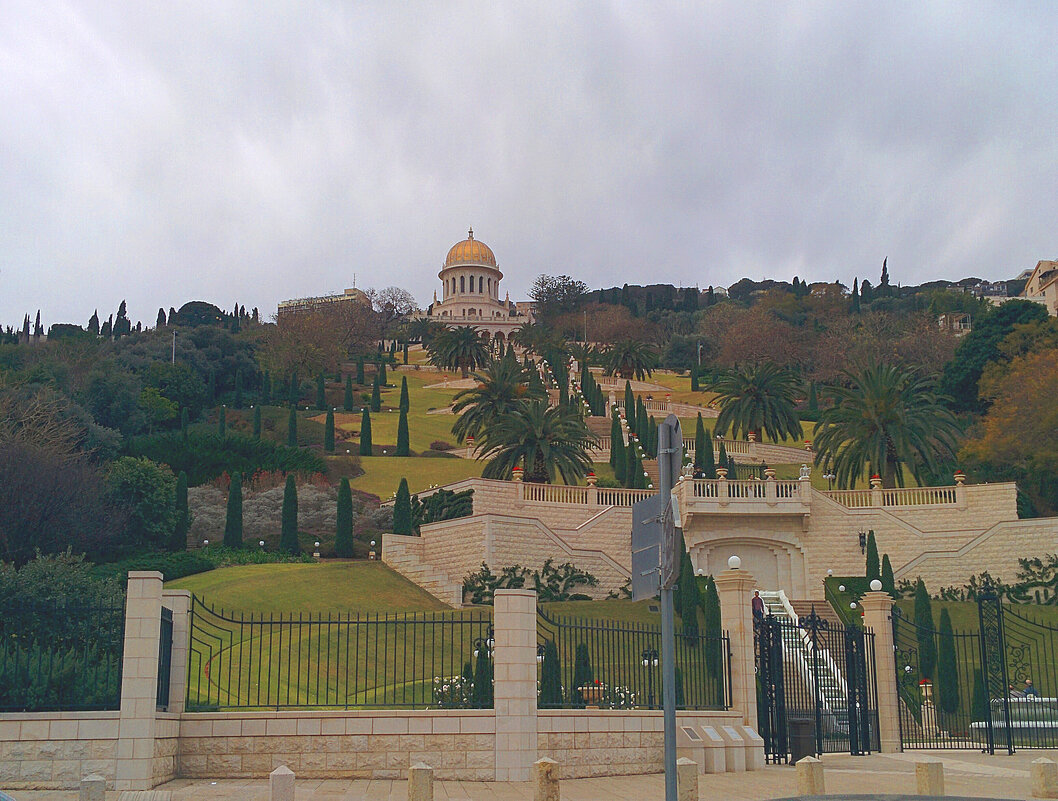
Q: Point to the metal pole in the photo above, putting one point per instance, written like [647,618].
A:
[668,639]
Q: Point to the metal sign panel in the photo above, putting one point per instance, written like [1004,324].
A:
[670,463]
[646,545]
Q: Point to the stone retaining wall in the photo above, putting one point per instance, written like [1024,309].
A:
[44,750]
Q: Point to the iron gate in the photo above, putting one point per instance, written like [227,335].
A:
[815,681]
[995,687]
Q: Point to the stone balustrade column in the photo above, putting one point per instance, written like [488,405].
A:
[877,615]
[735,588]
[139,681]
[514,629]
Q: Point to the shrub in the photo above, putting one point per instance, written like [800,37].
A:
[441,445]
[148,491]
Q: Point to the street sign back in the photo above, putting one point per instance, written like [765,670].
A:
[646,547]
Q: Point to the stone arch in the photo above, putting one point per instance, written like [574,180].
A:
[774,563]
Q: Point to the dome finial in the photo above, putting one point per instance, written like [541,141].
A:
[471,232]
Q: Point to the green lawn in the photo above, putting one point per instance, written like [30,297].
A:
[382,474]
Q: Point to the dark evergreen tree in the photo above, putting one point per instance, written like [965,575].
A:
[233,521]
[690,600]
[292,428]
[873,566]
[328,432]
[884,289]
[405,349]
[813,398]
[888,580]
[481,697]
[402,522]
[347,403]
[695,386]
[721,458]
[630,407]
[855,296]
[551,678]
[583,675]
[980,711]
[93,323]
[183,516]
[701,442]
[615,439]
[630,465]
[257,421]
[924,630]
[343,533]
[365,433]
[866,292]
[947,668]
[222,422]
[321,392]
[376,395]
[405,402]
[713,632]
[619,457]
[403,447]
[708,462]
[107,331]
[294,390]
[160,322]
[382,374]
[360,380]
[288,535]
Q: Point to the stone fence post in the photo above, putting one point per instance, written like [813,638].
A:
[877,616]
[179,601]
[514,689]
[735,588]
[139,681]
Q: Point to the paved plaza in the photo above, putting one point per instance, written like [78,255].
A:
[967,774]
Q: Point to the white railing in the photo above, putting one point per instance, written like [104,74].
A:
[620,497]
[724,491]
[554,493]
[907,496]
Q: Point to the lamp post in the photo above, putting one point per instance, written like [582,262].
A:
[863,541]
[830,480]
[539,653]
[650,661]
[488,642]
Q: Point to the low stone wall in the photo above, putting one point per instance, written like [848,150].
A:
[459,744]
[54,750]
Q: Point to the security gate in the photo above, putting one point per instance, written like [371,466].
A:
[816,687]
[992,687]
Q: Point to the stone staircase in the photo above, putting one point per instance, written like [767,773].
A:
[439,585]
[822,610]
[599,426]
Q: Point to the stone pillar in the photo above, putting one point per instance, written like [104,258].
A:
[420,782]
[810,777]
[139,681]
[735,588]
[686,779]
[514,619]
[545,782]
[877,616]
[929,777]
[94,788]
[179,601]
[281,784]
[1044,778]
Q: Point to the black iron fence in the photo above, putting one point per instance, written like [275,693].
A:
[992,686]
[617,665]
[421,660]
[59,657]
[165,658]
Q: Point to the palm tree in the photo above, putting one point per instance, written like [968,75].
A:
[755,398]
[460,348]
[583,353]
[547,441]
[883,418]
[502,386]
[630,358]
[421,329]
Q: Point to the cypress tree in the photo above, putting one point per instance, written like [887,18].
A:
[257,421]
[233,521]
[695,387]
[481,698]
[641,420]
[292,428]
[551,678]
[405,352]
[980,711]
[927,645]
[708,463]
[630,407]
[582,675]
[618,457]
[721,457]
[360,380]
[321,392]
[947,668]
[615,438]
[178,542]
[266,388]
[376,395]
[288,536]
[690,600]
[403,448]
[630,466]
[183,422]
[711,613]
[343,533]
[813,398]
[328,432]
[238,389]
[888,580]
[402,523]
[294,393]
[222,422]
[365,433]
[382,374]
[873,567]
[347,403]
[405,402]
[855,296]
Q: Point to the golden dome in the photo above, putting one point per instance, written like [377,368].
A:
[470,251]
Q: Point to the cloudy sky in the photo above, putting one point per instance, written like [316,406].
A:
[251,152]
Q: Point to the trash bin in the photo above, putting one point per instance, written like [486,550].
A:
[802,736]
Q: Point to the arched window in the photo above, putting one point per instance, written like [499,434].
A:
[481,284]
[462,284]
[490,286]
